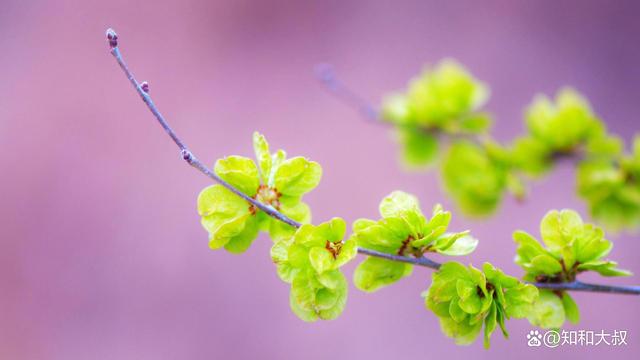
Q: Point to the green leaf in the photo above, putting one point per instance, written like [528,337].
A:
[321,259]
[298,256]
[530,155]
[241,172]
[304,288]
[548,311]
[347,252]
[559,228]
[298,211]
[216,200]
[332,279]
[280,257]
[591,245]
[456,313]
[302,313]
[309,236]
[465,297]
[341,291]
[297,176]
[545,264]
[374,273]
[519,300]
[439,96]
[261,148]
[490,323]
[419,148]
[605,146]
[325,299]
[604,268]
[571,113]
[372,235]
[475,181]
[277,159]
[243,240]
[528,248]
[397,204]
[333,230]
[286,272]
[224,216]
[462,332]
[476,123]
[311,300]
[462,245]
[570,308]
[443,287]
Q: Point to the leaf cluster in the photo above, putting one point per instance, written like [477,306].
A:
[445,102]
[310,261]
[274,180]
[404,230]
[464,298]
[442,100]
[570,247]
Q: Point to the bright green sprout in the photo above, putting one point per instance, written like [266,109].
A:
[571,247]
[465,298]
[612,188]
[404,230]
[310,261]
[276,181]
[564,126]
[444,99]
[476,177]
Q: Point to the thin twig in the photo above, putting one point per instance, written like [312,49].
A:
[187,155]
[325,73]
[580,286]
[420,261]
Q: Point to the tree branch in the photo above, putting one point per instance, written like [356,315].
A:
[585,287]
[187,155]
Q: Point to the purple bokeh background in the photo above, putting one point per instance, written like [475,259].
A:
[102,254]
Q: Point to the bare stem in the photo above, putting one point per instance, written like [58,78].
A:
[187,155]
[325,73]
[420,261]
[585,287]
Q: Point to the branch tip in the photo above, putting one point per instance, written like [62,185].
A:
[112,37]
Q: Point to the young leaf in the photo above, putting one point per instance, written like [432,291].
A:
[464,298]
[404,230]
[548,311]
[374,273]
[570,308]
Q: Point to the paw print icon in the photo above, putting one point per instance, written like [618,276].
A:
[533,338]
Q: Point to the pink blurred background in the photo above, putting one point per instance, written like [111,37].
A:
[102,254]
